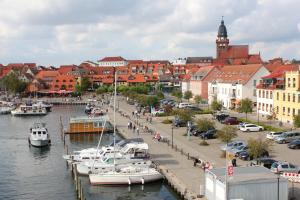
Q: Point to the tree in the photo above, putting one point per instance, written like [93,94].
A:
[296,120]
[227,134]
[246,106]
[101,89]
[188,94]
[152,101]
[177,94]
[215,105]
[257,147]
[11,83]
[205,124]
[197,99]
[85,84]
[184,115]
[160,94]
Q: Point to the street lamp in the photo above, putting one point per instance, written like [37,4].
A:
[188,129]
[172,127]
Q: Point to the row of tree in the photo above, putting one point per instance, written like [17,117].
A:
[13,84]
[186,95]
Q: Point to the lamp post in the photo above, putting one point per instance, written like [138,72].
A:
[278,177]
[172,128]
[188,129]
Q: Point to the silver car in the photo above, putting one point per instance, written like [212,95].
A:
[233,145]
[280,167]
[287,137]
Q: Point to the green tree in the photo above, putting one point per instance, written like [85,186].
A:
[152,101]
[256,147]
[296,120]
[11,83]
[160,94]
[177,94]
[85,84]
[184,115]
[188,94]
[227,134]
[197,99]
[246,106]
[205,124]
[102,89]
[215,105]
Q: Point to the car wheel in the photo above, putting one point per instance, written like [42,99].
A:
[283,141]
[248,130]
[260,129]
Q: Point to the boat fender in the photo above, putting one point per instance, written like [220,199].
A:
[129,181]
[143,181]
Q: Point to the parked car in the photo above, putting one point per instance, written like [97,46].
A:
[295,144]
[265,162]
[272,135]
[251,127]
[210,134]
[230,121]
[221,116]
[232,145]
[183,105]
[280,167]
[179,122]
[236,151]
[157,112]
[287,137]
[244,155]
[192,108]
[241,124]
[196,132]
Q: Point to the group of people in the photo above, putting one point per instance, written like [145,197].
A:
[133,127]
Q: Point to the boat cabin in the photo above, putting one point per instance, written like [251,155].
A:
[87,124]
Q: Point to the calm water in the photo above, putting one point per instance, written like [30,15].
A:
[32,173]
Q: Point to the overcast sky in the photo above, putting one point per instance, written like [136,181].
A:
[54,32]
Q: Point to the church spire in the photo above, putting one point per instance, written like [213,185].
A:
[222,32]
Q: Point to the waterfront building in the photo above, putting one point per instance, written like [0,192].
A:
[265,89]
[86,124]
[232,83]
[287,98]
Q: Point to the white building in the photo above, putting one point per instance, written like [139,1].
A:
[112,62]
[234,83]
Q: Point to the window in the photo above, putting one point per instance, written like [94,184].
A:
[277,109]
[288,111]
[56,86]
[289,98]
[298,111]
[271,95]
[71,81]
[294,82]
[294,97]
[263,107]
[263,94]
[294,112]
[254,92]
[267,107]
[283,110]
[289,82]
[57,81]
[86,125]
[298,98]
[259,93]
[259,106]
[254,82]
[283,97]
[64,81]
[277,95]
[267,94]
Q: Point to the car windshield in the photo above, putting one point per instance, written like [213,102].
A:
[274,165]
[240,147]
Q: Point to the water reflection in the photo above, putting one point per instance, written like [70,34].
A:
[39,153]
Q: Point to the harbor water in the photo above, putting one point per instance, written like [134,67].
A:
[32,173]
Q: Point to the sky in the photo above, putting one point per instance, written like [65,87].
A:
[56,32]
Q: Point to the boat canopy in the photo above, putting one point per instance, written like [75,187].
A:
[84,119]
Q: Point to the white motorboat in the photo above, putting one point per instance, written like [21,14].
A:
[43,104]
[39,136]
[97,111]
[125,176]
[6,107]
[88,108]
[26,110]
[90,153]
[130,150]
[107,163]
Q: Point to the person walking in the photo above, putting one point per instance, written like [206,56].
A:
[134,128]
[128,125]
[233,161]
[138,131]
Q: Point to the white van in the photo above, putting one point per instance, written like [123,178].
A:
[184,105]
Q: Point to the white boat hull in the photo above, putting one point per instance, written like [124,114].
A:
[115,178]
[39,143]
[20,113]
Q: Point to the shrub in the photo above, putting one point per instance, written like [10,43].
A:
[204,143]
[167,121]
[297,121]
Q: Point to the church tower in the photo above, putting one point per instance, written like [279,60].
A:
[222,41]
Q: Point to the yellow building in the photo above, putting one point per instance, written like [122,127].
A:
[287,100]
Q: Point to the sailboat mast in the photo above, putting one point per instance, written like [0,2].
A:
[115,96]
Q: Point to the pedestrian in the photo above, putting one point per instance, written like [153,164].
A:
[128,125]
[233,161]
[147,119]
[138,131]
[133,128]
[132,114]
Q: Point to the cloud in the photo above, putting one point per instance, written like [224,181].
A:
[53,32]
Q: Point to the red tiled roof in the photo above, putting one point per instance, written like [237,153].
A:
[137,78]
[234,73]
[112,59]
[47,73]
